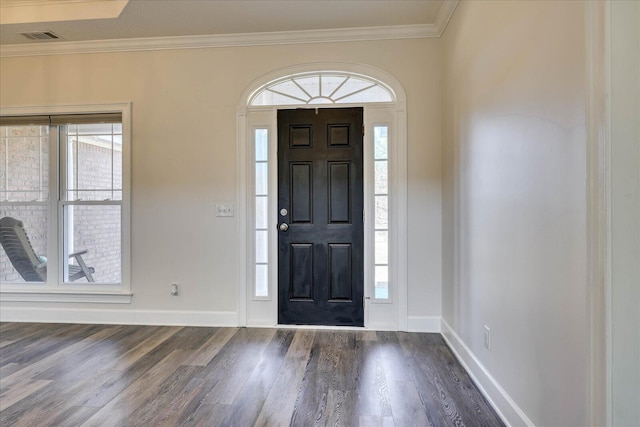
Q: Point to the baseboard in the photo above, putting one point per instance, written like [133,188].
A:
[501,402]
[119,317]
[424,324]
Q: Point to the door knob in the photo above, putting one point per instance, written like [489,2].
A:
[284,226]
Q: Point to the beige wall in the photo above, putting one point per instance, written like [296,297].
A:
[514,195]
[184,105]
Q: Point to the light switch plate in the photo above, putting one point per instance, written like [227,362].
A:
[224,209]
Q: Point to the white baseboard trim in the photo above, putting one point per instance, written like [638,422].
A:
[424,324]
[501,402]
[119,317]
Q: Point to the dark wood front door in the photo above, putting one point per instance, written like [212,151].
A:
[320,217]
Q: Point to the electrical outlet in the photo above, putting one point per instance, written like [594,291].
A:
[487,337]
[174,289]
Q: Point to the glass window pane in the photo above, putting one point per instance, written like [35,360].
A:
[3,161]
[381,287]
[94,162]
[311,85]
[117,165]
[262,146]
[381,247]
[380,142]
[320,101]
[262,247]
[372,94]
[381,212]
[331,83]
[25,163]
[30,266]
[291,89]
[261,212]
[262,179]
[262,280]
[352,85]
[381,177]
[96,129]
[270,98]
[96,230]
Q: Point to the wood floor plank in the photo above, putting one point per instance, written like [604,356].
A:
[20,391]
[32,370]
[207,351]
[216,376]
[171,414]
[6,343]
[107,375]
[142,389]
[434,394]
[151,411]
[228,387]
[14,331]
[311,404]
[48,338]
[9,369]
[207,416]
[374,421]
[98,355]
[366,336]
[133,355]
[372,391]
[246,406]
[341,408]
[277,409]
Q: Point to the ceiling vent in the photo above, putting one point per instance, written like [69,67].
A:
[41,35]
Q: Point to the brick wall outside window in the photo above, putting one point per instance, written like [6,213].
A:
[96,228]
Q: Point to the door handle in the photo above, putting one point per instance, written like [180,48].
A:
[284,226]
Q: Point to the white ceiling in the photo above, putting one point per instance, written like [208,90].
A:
[173,18]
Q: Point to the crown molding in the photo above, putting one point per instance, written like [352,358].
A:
[222,40]
[444,15]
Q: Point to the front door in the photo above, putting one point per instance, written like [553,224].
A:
[320,217]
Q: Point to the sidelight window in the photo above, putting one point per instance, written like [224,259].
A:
[381,212]
[261,150]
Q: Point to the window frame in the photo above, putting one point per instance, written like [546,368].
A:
[55,289]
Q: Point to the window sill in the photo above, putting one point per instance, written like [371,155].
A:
[65,296]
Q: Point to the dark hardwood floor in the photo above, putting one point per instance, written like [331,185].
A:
[101,375]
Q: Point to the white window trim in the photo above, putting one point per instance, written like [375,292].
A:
[69,292]
[389,314]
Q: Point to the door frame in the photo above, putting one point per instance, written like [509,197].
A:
[261,311]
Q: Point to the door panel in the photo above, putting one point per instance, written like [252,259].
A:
[339,206]
[301,191]
[340,272]
[320,184]
[301,271]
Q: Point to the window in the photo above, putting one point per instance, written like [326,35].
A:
[64,182]
[261,212]
[322,88]
[24,190]
[91,198]
[381,211]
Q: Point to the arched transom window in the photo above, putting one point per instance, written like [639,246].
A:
[322,88]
